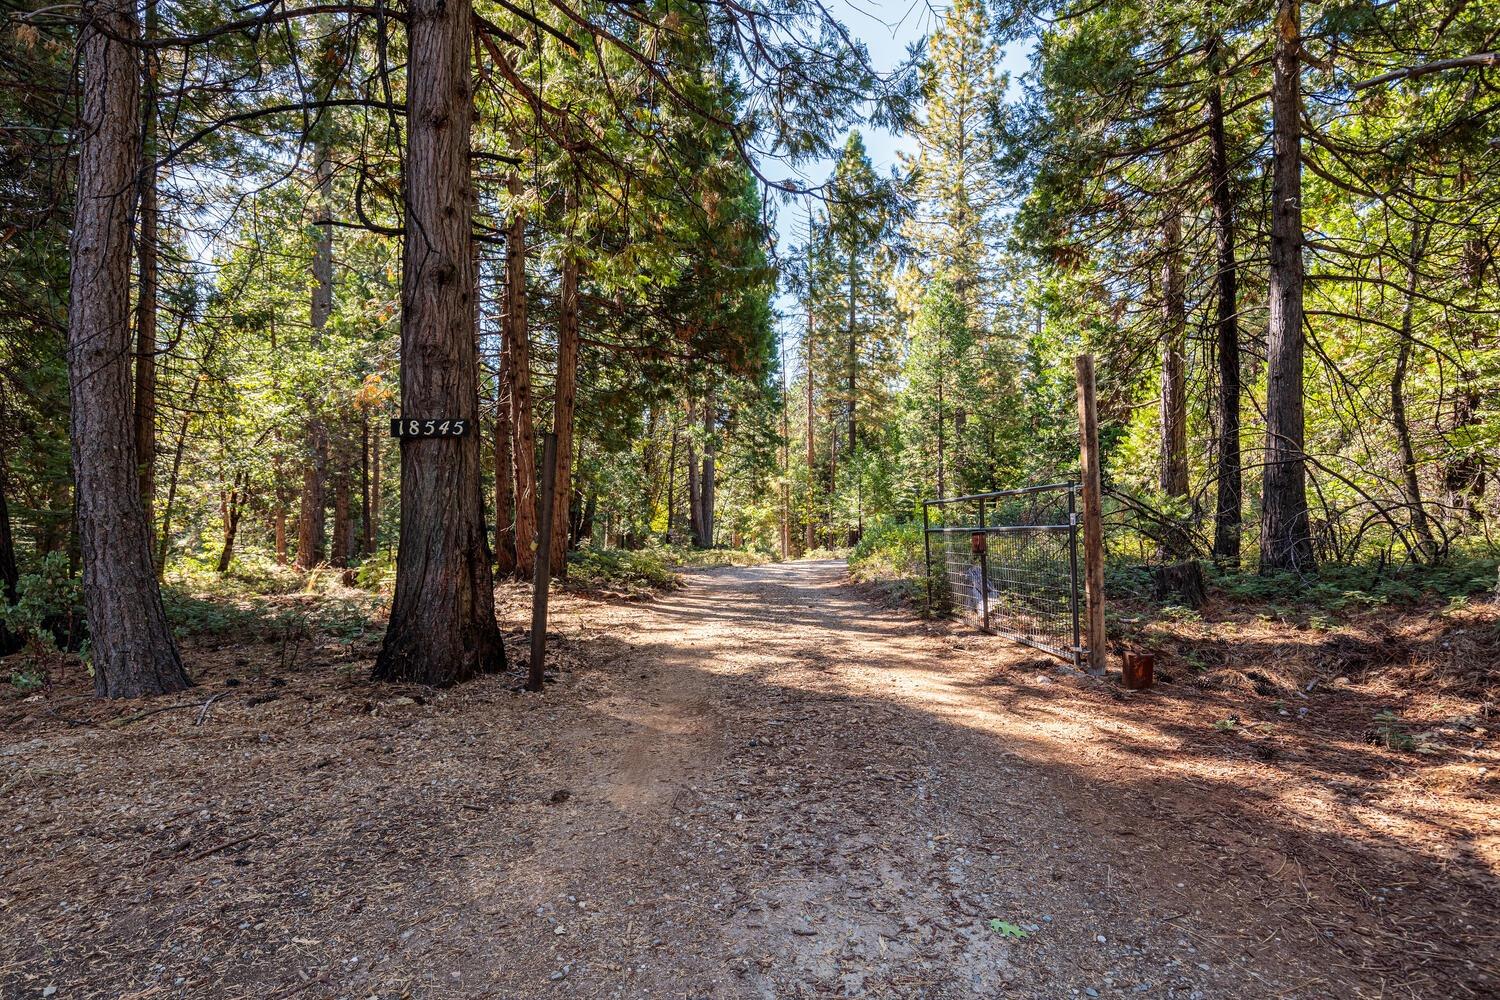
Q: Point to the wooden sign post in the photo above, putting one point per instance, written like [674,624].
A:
[1093,531]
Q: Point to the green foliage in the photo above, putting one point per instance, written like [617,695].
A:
[27,678]
[1392,732]
[683,555]
[891,555]
[1343,588]
[377,573]
[639,571]
[49,605]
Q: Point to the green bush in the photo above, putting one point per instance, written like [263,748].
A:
[378,572]
[890,554]
[687,555]
[49,606]
[620,569]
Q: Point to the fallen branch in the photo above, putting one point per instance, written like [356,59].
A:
[203,714]
[221,847]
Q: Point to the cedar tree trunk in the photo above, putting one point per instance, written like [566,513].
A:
[442,628]
[133,650]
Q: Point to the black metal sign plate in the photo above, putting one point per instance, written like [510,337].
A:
[427,427]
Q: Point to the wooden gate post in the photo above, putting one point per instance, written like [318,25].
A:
[1093,533]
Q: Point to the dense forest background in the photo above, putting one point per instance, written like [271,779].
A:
[1274,224]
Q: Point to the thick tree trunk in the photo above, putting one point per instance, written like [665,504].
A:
[1174,460]
[133,650]
[1227,511]
[312,543]
[1285,532]
[442,628]
[1427,547]
[563,399]
[523,428]
[146,294]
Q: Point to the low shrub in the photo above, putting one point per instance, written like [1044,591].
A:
[890,555]
[49,606]
[687,555]
[631,571]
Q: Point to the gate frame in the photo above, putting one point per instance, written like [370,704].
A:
[1077,653]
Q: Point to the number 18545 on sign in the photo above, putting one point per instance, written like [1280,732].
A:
[413,427]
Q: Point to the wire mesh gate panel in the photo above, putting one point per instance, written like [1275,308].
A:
[1009,560]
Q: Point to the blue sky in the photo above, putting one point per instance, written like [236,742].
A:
[888,28]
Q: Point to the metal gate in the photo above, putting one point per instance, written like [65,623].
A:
[1009,559]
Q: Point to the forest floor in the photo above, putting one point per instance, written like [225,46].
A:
[761,785]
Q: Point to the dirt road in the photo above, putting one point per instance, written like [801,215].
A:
[761,785]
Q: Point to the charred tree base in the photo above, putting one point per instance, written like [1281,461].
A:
[439,653]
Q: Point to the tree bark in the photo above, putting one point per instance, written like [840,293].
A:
[164,541]
[1285,532]
[706,481]
[1174,460]
[1228,506]
[146,295]
[366,524]
[809,538]
[563,400]
[505,488]
[231,504]
[695,519]
[442,628]
[132,648]
[786,465]
[853,361]
[672,479]
[343,523]
[585,530]
[1427,547]
[523,428]
[10,575]
[279,523]
[312,541]
[375,484]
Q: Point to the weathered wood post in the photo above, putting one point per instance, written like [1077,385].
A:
[542,578]
[1093,534]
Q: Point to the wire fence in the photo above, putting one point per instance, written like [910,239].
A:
[1009,561]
